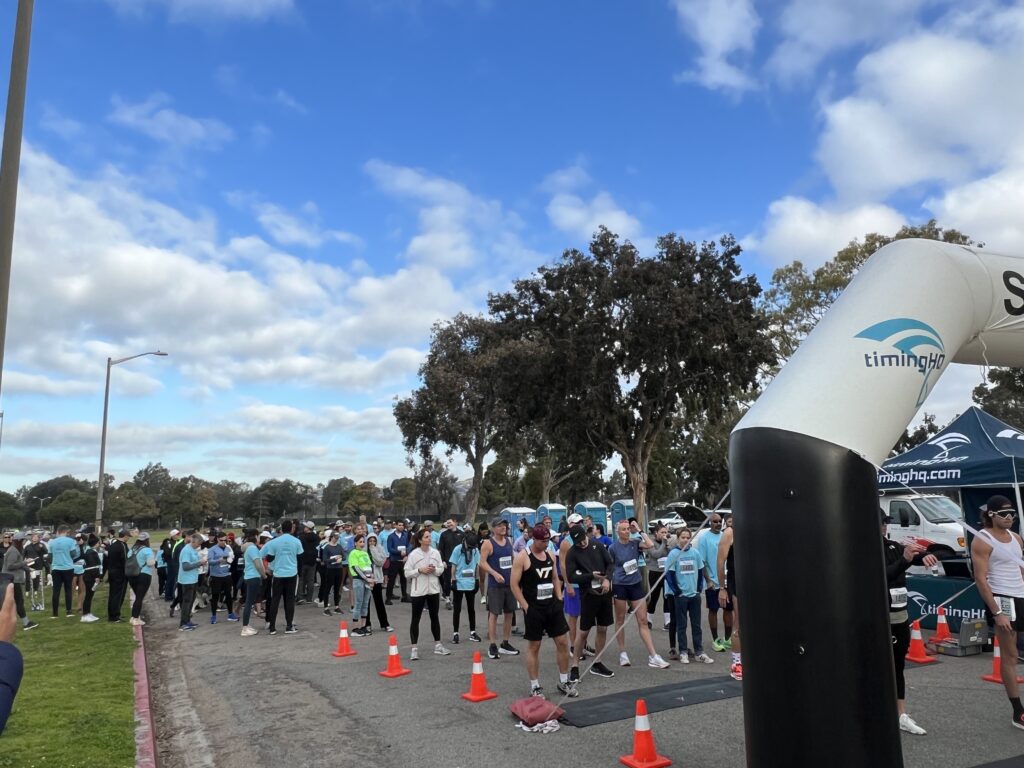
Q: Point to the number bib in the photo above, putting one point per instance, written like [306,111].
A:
[367,572]
[596,584]
[545,591]
[1008,606]
[468,573]
[661,562]
[629,567]
[505,563]
[898,597]
[687,567]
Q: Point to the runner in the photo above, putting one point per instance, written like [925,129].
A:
[168,547]
[253,574]
[450,538]
[726,569]
[571,592]
[220,558]
[14,563]
[361,569]
[587,565]
[146,559]
[378,556]
[465,561]
[398,551]
[997,554]
[92,571]
[682,567]
[330,555]
[628,590]
[538,591]
[656,558]
[189,562]
[307,562]
[423,566]
[285,551]
[496,562]
[898,558]
[117,581]
[707,544]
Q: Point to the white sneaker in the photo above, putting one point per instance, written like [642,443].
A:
[249,631]
[703,658]
[89,618]
[440,650]
[684,658]
[414,654]
[137,622]
[623,659]
[657,662]
[907,724]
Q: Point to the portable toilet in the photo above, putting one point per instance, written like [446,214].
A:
[514,515]
[557,513]
[621,509]
[596,510]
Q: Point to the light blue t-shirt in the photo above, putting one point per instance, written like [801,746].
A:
[435,537]
[686,564]
[625,557]
[64,550]
[464,579]
[144,555]
[251,555]
[708,548]
[188,555]
[286,550]
[348,543]
[160,559]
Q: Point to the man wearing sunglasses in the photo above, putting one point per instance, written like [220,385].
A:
[998,557]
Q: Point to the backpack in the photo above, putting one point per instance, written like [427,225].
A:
[131,563]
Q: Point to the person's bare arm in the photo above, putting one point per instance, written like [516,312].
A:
[518,566]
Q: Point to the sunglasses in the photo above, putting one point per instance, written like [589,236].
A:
[1006,514]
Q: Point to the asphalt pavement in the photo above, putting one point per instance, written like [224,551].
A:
[225,701]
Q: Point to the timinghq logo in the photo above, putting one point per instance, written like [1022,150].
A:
[949,442]
[926,607]
[911,340]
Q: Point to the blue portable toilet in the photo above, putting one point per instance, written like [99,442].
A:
[621,509]
[596,510]
[514,515]
[557,513]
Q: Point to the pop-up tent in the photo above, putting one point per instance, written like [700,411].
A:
[977,453]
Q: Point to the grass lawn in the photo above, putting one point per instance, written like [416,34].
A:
[75,707]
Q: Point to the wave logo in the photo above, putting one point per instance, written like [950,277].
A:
[949,442]
[917,345]
[920,601]
[1010,434]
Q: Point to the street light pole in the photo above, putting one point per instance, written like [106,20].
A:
[103,434]
[41,501]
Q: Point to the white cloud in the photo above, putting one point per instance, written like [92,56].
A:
[797,228]
[581,218]
[566,179]
[285,99]
[987,209]
[17,382]
[289,229]
[56,122]
[199,10]
[722,30]
[155,119]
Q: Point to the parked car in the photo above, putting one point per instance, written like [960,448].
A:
[933,521]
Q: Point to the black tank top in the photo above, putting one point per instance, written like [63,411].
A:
[537,582]
[730,568]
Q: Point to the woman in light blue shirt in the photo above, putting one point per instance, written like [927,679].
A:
[465,559]
[146,559]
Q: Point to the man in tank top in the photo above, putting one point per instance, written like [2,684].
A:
[496,562]
[538,591]
[998,556]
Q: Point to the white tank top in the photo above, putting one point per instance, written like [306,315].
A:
[1004,564]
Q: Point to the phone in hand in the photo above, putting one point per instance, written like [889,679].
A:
[5,579]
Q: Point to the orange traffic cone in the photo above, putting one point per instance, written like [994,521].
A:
[941,629]
[917,652]
[995,676]
[478,683]
[344,649]
[644,754]
[395,668]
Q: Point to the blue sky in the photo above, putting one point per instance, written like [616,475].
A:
[284,195]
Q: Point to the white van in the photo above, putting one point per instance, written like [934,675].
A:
[933,521]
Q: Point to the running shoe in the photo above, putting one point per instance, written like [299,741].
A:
[601,670]
[327,611]
[507,649]
[213,619]
[232,617]
[907,724]
[684,658]
[588,651]
[536,690]
[1018,721]
[358,632]
[474,637]
[414,654]
[30,625]
[271,631]
[624,659]
[657,662]
[189,627]
[291,630]
[492,652]
[89,618]
[574,674]
[727,642]
[718,645]
[673,654]
[388,628]
[249,631]
[440,650]
[517,631]
[337,609]
[650,624]
[569,689]
[703,658]
[736,671]
[455,638]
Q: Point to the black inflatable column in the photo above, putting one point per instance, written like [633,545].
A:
[818,683]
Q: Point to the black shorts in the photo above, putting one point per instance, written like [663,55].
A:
[548,619]
[714,604]
[1018,607]
[596,609]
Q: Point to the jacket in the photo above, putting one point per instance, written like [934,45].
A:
[422,583]
[14,563]
[396,540]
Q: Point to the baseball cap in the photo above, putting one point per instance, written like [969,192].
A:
[143,536]
[540,532]
[122,533]
[308,524]
[498,521]
[428,522]
[18,536]
[174,532]
[575,517]
[997,502]
[577,532]
[266,535]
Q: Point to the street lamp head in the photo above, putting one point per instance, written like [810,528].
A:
[158,353]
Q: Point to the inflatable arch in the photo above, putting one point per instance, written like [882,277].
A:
[818,684]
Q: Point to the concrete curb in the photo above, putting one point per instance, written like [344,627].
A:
[145,728]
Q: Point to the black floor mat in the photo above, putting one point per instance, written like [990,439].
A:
[1010,762]
[619,706]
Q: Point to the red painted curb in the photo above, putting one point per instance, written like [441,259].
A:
[145,729]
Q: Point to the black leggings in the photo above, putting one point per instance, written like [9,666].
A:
[900,646]
[378,604]
[331,581]
[62,580]
[19,600]
[220,588]
[657,582]
[89,585]
[140,586]
[470,596]
[282,586]
[433,603]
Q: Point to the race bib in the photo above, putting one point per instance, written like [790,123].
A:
[661,562]
[468,573]
[505,563]
[545,591]
[687,567]
[898,597]
[629,567]
[367,572]
[401,550]
[596,584]
[1008,606]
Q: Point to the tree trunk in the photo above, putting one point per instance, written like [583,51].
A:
[473,497]
[636,471]
[547,479]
